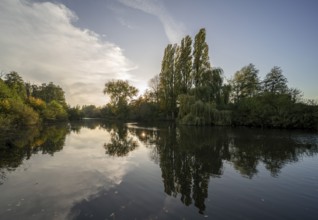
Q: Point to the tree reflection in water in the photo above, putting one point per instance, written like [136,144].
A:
[189,156]
[121,141]
[20,145]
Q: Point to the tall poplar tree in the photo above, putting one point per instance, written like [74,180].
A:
[184,65]
[201,62]
[168,81]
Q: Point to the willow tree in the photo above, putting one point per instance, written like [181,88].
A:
[201,63]
[212,85]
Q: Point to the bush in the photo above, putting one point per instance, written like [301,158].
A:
[55,111]
[15,112]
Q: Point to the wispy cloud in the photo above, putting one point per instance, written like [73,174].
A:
[124,23]
[40,41]
[173,29]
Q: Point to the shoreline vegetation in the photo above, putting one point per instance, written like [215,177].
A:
[187,90]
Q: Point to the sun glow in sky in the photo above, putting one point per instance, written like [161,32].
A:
[80,44]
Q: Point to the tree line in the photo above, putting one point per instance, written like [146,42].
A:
[23,103]
[193,92]
[188,89]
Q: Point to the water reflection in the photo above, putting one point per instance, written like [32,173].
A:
[189,159]
[121,141]
[189,156]
[20,145]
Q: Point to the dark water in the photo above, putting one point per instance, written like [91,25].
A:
[98,170]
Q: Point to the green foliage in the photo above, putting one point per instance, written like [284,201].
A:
[5,122]
[195,112]
[91,111]
[74,113]
[183,73]
[222,117]
[201,63]
[55,111]
[15,82]
[184,65]
[153,94]
[25,104]
[212,82]
[13,110]
[275,81]
[225,95]
[275,110]
[48,93]
[142,109]
[206,114]
[37,104]
[120,93]
[245,83]
[169,85]
[185,102]
[5,91]
[246,100]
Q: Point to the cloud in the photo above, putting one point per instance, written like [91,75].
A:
[124,23]
[77,173]
[40,41]
[174,30]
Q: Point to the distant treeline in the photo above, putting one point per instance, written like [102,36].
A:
[187,89]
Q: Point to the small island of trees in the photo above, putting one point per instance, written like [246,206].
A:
[187,90]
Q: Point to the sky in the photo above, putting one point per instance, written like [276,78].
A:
[81,44]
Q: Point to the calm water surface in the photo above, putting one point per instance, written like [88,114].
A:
[99,170]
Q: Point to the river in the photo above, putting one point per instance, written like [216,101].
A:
[102,170]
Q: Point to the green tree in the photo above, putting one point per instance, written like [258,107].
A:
[295,94]
[74,113]
[91,111]
[275,81]
[245,83]
[201,62]
[37,104]
[143,108]
[184,65]
[15,82]
[5,91]
[168,82]
[120,93]
[49,92]
[13,109]
[211,87]
[55,111]
[154,84]
[225,94]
